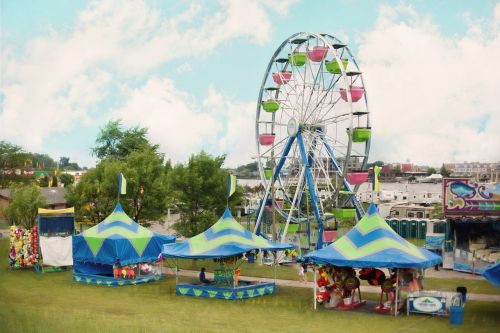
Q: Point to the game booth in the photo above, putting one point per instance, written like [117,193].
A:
[385,259]
[118,252]
[56,228]
[226,242]
[472,211]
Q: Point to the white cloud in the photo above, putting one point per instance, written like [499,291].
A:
[183,126]
[61,79]
[172,117]
[433,98]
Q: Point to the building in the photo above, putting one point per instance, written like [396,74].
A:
[411,211]
[481,172]
[54,197]
[77,174]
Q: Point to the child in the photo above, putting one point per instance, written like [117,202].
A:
[302,273]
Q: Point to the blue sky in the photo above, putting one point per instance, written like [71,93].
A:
[190,71]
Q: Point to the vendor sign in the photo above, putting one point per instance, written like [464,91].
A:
[427,304]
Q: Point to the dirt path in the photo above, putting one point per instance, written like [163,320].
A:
[366,289]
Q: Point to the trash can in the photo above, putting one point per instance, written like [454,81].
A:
[251,258]
[463,291]
[456,315]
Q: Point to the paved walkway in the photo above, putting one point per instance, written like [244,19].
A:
[297,284]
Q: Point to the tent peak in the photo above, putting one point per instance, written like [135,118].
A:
[373,209]
[227,214]
[118,208]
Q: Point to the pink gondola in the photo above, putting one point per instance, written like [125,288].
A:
[318,53]
[267,139]
[282,77]
[356,93]
[356,178]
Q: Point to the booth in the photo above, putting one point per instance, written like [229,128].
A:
[55,230]
[371,245]
[118,252]
[226,242]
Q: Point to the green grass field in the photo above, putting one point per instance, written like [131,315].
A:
[31,302]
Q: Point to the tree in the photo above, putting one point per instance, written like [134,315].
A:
[147,194]
[444,172]
[63,162]
[24,204]
[54,181]
[431,171]
[437,211]
[115,142]
[67,179]
[200,189]
[44,181]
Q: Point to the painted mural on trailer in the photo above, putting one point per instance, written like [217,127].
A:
[462,197]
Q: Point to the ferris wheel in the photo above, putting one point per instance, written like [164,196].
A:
[312,132]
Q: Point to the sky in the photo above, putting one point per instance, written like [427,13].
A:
[190,71]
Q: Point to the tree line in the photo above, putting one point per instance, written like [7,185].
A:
[196,189]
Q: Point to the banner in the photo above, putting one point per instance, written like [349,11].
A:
[57,251]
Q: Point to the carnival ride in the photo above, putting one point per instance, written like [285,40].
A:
[313,135]
[226,242]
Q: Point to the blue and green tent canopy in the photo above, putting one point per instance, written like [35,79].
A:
[118,237]
[492,274]
[225,238]
[373,243]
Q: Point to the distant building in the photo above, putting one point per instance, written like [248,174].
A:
[54,197]
[480,171]
[77,174]
[411,211]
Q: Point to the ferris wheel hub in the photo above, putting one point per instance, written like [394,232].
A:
[292,127]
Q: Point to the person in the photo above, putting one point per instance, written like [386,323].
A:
[202,276]
[301,273]
[237,273]
[304,275]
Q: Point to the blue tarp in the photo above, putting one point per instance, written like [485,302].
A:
[434,242]
[373,243]
[118,237]
[225,238]
[492,274]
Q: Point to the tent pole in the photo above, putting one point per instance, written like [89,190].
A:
[176,275]
[275,263]
[397,293]
[314,293]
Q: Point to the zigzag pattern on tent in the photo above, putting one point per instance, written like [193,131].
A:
[206,291]
[226,231]
[120,224]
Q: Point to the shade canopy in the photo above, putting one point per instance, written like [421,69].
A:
[492,274]
[118,237]
[373,243]
[224,239]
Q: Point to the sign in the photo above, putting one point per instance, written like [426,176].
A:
[427,304]
[462,197]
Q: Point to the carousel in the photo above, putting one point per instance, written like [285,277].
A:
[227,243]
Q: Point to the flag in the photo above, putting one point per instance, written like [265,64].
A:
[231,185]
[376,184]
[122,184]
